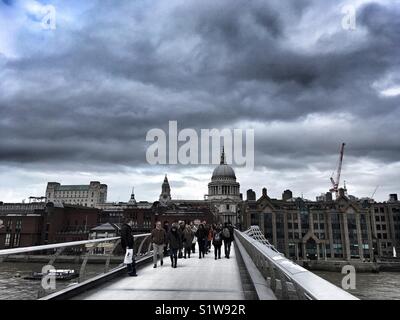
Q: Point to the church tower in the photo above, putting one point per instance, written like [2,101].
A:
[132,200]
[165,195]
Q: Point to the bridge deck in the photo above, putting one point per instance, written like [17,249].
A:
[193,279]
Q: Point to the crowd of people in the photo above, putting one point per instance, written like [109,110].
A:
[179,241]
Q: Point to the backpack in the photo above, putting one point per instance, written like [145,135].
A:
[226,233]
[217,236]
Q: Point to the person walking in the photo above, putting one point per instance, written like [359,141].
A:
[181,230]
[210,234]
[127,242]
[217,241]
[175,242]
[227,234]
[188,236]
[158,238]
[201,235]
[166,228]
[194,229]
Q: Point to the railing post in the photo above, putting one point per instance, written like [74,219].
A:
[273,278]
[55,255]
[107,265]
[141,244]
[83,266]
[284,287]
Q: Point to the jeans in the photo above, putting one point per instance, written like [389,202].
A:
[217,251]
[174,257]
[131,267]
[158,249]
[202,247]
[187,251]
[194,247]
[227,246]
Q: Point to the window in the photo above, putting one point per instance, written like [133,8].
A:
[18,226]
[376,218]
[8,238]
[16,240]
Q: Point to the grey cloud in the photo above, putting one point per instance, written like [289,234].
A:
[90,95]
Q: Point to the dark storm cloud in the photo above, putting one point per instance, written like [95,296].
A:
[89,94]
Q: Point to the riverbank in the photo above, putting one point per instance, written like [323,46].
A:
[337,265]
[92,259]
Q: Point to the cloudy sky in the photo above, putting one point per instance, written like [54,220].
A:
[77,101]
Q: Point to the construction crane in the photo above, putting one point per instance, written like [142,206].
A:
[335,182]
[372,197]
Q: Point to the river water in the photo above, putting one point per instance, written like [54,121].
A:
[369,286]
[13,287]
[380,286]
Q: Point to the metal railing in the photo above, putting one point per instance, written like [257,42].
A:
[285,278]
[141,248]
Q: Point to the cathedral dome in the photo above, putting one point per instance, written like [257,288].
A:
[223,171]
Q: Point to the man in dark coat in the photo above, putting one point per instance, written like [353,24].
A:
[227,236]
[201,235]
[174,240]
[127,243]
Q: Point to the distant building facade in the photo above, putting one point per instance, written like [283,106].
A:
[89,195]
[31,224]
[327,229]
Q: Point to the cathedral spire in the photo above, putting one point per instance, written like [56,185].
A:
[223,156]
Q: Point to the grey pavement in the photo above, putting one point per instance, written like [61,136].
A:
[193,279]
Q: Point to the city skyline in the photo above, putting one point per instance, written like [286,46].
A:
[77,101]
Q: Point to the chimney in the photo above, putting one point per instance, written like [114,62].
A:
[286,195]
[328,196]
[264,192]
[251,195]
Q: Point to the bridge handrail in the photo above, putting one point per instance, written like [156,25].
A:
[59,248]
[6,252]
[272,263]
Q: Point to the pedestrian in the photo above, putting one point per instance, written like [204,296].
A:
[188,236]
[201,235]
[217,241]
[175,242]
[127,242]
[194,229]
[181,229]
[210,237]
[166,228]
[158,238]
[227,236]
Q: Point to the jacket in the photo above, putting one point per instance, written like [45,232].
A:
[158,237]
[126,237]
[174,240]
[188,236]
[217,237]
[201,234]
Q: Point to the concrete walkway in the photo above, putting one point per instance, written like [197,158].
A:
[193,279]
